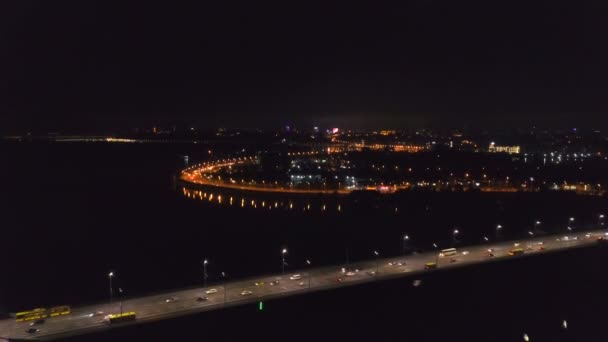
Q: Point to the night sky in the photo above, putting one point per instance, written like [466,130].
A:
[73,66]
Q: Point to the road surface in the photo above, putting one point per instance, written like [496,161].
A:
[184,302]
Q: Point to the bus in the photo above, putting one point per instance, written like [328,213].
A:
[59,311]
[35,314]
[123,317]
[516,251]
[448,252]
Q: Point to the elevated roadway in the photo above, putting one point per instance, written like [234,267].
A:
[186,301]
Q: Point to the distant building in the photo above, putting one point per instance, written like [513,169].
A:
[504,149]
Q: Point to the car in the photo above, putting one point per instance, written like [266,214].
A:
[430,265]
[211,291]
[32,330]
[301,283]
[465,253]
[273,283]
[106,318]
[350,274]
[541,248]
[452,260]
[490,254]
[588,236]
[390,264]
[246,293]
[565,238]
[38,322]
[172,299]
[339,280]
[259,283]
[96,313]
[371,273]
[295,277]
[400,263]
[516,244]
[202,299]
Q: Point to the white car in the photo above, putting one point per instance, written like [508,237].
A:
[350,274]
[301,283]
[246,293]
[465,253]
[96,313]
[588,236]
[211,291]
[172,299]
[295,277]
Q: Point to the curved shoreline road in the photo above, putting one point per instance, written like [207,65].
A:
[155,307]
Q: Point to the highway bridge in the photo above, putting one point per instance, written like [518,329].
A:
[88,319]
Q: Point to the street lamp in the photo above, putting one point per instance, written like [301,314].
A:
[205,272]
[376,254]
[498,231]
[283,252]
[601,219]
[570,223]
[223,274]
[120,291]
[110,276]
[536,225]
[309,272]
[406,239]
[436,253]
[454,234]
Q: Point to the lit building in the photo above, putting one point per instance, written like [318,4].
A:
[504,149]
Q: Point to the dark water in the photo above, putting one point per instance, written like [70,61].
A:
[72,212]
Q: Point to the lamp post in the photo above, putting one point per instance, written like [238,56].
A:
[223,274]
[309,273]
[376,254]
[454,234]
[570,224]
[120,291]
[498,231]
[110,276]
[406,240]
[283,252]
[436,253]
[536,226]
[205,272]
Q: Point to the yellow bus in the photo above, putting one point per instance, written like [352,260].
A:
[39,313]
[124,317]
[59,311]
[516,251]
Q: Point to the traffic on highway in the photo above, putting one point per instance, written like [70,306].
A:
[66,321]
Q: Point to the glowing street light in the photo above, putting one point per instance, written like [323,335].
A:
[454,234]
[283,252]
[498,231]
[376,254]
[308,263]
[110,276]
[570,223]
[406,240]
[205,262]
